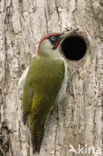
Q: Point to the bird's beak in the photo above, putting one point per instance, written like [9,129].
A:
[65,34]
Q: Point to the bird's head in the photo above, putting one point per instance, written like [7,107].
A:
[50,42]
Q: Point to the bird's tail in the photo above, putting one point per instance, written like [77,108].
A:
[37,131]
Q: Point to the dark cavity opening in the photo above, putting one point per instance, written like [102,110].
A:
[73,48]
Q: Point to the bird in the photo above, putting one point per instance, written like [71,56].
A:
[44,84]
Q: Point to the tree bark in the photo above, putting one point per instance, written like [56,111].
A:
[77,120]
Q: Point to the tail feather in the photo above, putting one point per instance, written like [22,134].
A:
[36,142]
[37,135]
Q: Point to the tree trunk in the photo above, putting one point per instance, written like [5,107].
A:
[77,120]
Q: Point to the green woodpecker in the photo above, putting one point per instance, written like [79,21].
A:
[45,83]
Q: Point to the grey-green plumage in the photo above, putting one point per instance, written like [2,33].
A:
[42,85]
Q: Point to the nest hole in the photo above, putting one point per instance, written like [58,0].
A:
[74,48]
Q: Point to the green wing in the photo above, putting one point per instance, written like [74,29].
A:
[44,79]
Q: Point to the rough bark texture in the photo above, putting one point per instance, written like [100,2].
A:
[78,119]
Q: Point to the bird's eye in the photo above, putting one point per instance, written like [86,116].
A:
[53,38]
